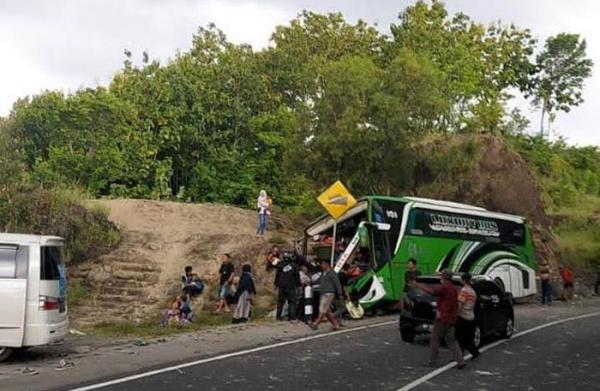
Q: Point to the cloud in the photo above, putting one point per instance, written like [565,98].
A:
[72,43]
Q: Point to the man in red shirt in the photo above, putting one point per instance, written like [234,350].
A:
[567,276]
[445,320]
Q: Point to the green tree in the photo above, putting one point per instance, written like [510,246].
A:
[481,64]
[563,68]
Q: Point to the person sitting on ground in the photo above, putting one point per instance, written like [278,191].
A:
[172,314]
[329,287]
[225,281]
[191,284]
[245,293]
[273,258]
[185,309]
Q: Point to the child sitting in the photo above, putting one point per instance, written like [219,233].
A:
[185,310]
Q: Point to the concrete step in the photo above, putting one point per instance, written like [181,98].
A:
[142,267]
[147,277]
[123,290]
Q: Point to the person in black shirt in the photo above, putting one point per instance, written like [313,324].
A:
[287,281]
[411,274]
[225,280]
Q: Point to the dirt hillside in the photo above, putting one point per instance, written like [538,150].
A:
[135,280]
[498,179]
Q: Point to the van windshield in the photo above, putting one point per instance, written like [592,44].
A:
[50,268]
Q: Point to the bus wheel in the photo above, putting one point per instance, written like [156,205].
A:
[5,353]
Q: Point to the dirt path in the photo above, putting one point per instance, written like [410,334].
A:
[159,240]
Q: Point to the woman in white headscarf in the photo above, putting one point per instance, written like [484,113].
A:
[262,205]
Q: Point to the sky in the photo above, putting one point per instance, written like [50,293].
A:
[70,44]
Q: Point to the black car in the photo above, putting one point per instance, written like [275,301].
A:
[494,313]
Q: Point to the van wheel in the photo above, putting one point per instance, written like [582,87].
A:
[5,353]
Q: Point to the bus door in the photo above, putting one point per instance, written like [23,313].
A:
[13,297]
[381,256]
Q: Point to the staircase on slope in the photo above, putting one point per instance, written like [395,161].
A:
[117,285]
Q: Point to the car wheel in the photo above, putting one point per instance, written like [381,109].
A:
[5,353]
[407,330]
[477,336]
[509,328]
[407,334]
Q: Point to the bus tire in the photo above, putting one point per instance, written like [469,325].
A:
[5,353]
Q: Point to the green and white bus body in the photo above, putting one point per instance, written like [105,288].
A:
[438,235]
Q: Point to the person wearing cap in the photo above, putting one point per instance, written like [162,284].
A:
[445,320]
[465,323]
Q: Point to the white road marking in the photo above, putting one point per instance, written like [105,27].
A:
[228,355]
[451,365]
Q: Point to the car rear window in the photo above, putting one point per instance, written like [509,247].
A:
[51,262]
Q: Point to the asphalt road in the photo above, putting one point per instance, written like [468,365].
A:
[561,357]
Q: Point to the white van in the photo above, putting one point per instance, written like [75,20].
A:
[33,308]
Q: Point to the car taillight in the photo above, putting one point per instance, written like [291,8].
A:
[48,303]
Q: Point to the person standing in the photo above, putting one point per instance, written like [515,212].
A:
[225,281]
[245,292]
[411,273]
[445,320]
[597,284]
[329,287]
[545,279]
[465,323]
[287,281]
[262,205]
[567,276]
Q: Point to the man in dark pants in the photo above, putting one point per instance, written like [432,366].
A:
[445,320]
[546,287]
[287,281]
[597,285]
[465,323]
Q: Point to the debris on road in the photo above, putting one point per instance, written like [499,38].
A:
[76,332]
[29,371]
[82,349]
[64,364]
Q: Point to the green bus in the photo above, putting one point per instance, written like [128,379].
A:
[380,234]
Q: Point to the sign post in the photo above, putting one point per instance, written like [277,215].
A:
[336,200]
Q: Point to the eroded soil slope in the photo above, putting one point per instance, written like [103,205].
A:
[141,275]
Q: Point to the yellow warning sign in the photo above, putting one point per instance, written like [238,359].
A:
[337,200]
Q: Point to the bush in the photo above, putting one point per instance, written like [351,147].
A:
[31,209]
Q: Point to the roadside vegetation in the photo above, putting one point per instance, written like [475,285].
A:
[150,328]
